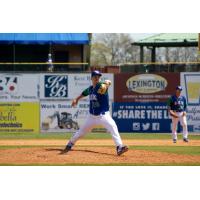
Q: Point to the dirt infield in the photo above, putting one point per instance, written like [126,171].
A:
[94,154]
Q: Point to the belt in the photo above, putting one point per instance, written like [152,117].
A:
[102,113]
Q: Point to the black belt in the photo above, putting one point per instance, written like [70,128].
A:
[102,113]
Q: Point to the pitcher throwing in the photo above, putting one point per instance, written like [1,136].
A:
[99,113]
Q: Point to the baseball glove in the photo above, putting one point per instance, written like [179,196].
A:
[103,88]
[173,114]
[184,114]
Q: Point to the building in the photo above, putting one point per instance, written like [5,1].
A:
[31,51]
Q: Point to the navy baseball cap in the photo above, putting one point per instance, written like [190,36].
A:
[179,88]
[96,73]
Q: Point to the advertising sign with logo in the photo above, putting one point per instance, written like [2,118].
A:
[145,87]
[68,86]
[53,86]
[190,82]
[19,117]
[142,117]
[79,82]
[59,116]
[19,87]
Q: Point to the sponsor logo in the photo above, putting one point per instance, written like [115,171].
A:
[155,126]
[196,128]
[56,86]
[146,83]
[93,97]
[136,126]
[145,126]
[8,84]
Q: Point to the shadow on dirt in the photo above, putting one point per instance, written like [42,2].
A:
[79,150]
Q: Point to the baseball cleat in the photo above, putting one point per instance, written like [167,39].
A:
[185,140]
[174,140]
[67,148]
[121,150]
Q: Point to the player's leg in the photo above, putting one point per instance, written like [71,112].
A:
[174,128]
[107,121]
[183,121]
[90,122]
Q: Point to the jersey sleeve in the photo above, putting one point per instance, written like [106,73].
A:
[169,103]
[85,92]
[185,104]
[99,83]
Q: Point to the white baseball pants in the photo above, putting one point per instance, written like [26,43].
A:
[183,121]
[104,120]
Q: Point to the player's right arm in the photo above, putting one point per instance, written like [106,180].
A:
[169,105]
[82,95]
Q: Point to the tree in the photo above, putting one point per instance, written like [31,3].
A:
[113,49]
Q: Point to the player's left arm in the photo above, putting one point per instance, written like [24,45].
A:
[185,107]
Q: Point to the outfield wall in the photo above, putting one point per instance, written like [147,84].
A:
[190,82]
[140,101]
[19,103]
[42,102]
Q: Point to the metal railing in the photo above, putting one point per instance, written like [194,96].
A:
[42,67]
[160,67]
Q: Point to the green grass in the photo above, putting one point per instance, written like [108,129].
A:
[90,136]
[28,146]
[184,150]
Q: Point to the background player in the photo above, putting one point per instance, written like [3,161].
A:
[177,109]
[99,113]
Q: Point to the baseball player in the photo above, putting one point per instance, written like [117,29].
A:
[177,109]
[99,113]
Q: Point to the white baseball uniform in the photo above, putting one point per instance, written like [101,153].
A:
[99,115]
[178,105]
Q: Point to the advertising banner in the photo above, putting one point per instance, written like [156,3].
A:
[190,82]
[19,88]
[59,116]
[68,86]
[142,117]
[79,82]
[54,86]
[19,117]
[158,87]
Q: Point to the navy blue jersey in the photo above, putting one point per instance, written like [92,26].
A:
[99,103]
[177,103]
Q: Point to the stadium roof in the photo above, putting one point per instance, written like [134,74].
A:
[44,38]
[170,40]
[166,40]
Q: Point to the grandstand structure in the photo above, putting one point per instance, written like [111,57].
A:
[166,40]
[31,51]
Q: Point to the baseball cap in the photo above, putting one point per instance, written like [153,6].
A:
[96,73]
[179,88]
